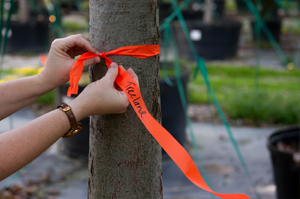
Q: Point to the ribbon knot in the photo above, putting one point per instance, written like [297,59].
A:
[102,55]
[138,51]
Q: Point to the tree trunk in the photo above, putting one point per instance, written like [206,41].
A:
[23,11]
[209,11]
[124,159]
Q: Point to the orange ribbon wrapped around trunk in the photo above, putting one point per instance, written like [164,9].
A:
[178,154]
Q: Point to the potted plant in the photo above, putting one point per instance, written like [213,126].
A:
[268,13]
[284,149]
[214,38]
[29,28]
[195,9]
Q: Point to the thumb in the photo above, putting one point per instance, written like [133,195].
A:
[112,73]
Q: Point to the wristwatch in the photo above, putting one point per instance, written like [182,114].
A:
[75,127]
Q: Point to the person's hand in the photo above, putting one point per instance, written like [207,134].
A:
[61,59]
[102,96]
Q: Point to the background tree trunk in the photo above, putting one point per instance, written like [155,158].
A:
[124,159]
[209,11]
[23,11]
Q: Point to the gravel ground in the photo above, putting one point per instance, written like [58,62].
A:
[14,61]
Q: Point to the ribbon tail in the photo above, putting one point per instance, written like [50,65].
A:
[107,61]
[75,76]
[178,154]
[43,58]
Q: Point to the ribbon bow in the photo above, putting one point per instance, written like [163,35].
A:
[178,154]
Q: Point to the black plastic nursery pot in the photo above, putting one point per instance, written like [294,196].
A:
[218,40]
[274,27]
[242,6]
[76,146]
[173,114]
[195,10]
[165,9]
[32,37]
[286,164]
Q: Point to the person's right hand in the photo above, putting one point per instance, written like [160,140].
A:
[102,96]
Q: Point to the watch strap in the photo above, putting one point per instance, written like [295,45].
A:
[75,127]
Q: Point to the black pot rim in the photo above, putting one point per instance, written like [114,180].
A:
[31,20]
[218,23]
[271,147]
[273,20]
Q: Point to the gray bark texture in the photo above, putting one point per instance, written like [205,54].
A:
[124,158]
[23,11]
[209,11]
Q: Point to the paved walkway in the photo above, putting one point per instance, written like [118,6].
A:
[69,176]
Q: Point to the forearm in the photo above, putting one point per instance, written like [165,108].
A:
[18,93]
[22,145]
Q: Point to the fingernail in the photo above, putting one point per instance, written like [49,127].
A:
[113,65]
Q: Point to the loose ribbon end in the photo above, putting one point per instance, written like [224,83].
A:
[73,89]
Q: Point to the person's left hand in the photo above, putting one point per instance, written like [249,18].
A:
[102,96]
[61,59]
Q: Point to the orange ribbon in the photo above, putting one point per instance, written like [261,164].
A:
[178,154]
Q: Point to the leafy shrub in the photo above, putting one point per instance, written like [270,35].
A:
[47,99]
[259,107]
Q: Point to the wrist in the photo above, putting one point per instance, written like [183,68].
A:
[43,81]
[78,110]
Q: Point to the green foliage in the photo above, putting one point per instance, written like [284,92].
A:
[47,99]
[292,28]
[230,5]
[276,100]
[10,74]
[72,26]
[259,107]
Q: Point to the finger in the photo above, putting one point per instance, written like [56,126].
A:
[123,100]
[112,73]
[133,75]
[79,41]
[122,67]
[91,61]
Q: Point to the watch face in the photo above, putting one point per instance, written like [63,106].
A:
[64,107]
[73,131]
[67,108]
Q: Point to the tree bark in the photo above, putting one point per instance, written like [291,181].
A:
[124,159]
[23,11]
[208,12]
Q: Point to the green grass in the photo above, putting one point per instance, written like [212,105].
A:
[47,99]
[73,26]
[277,99]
